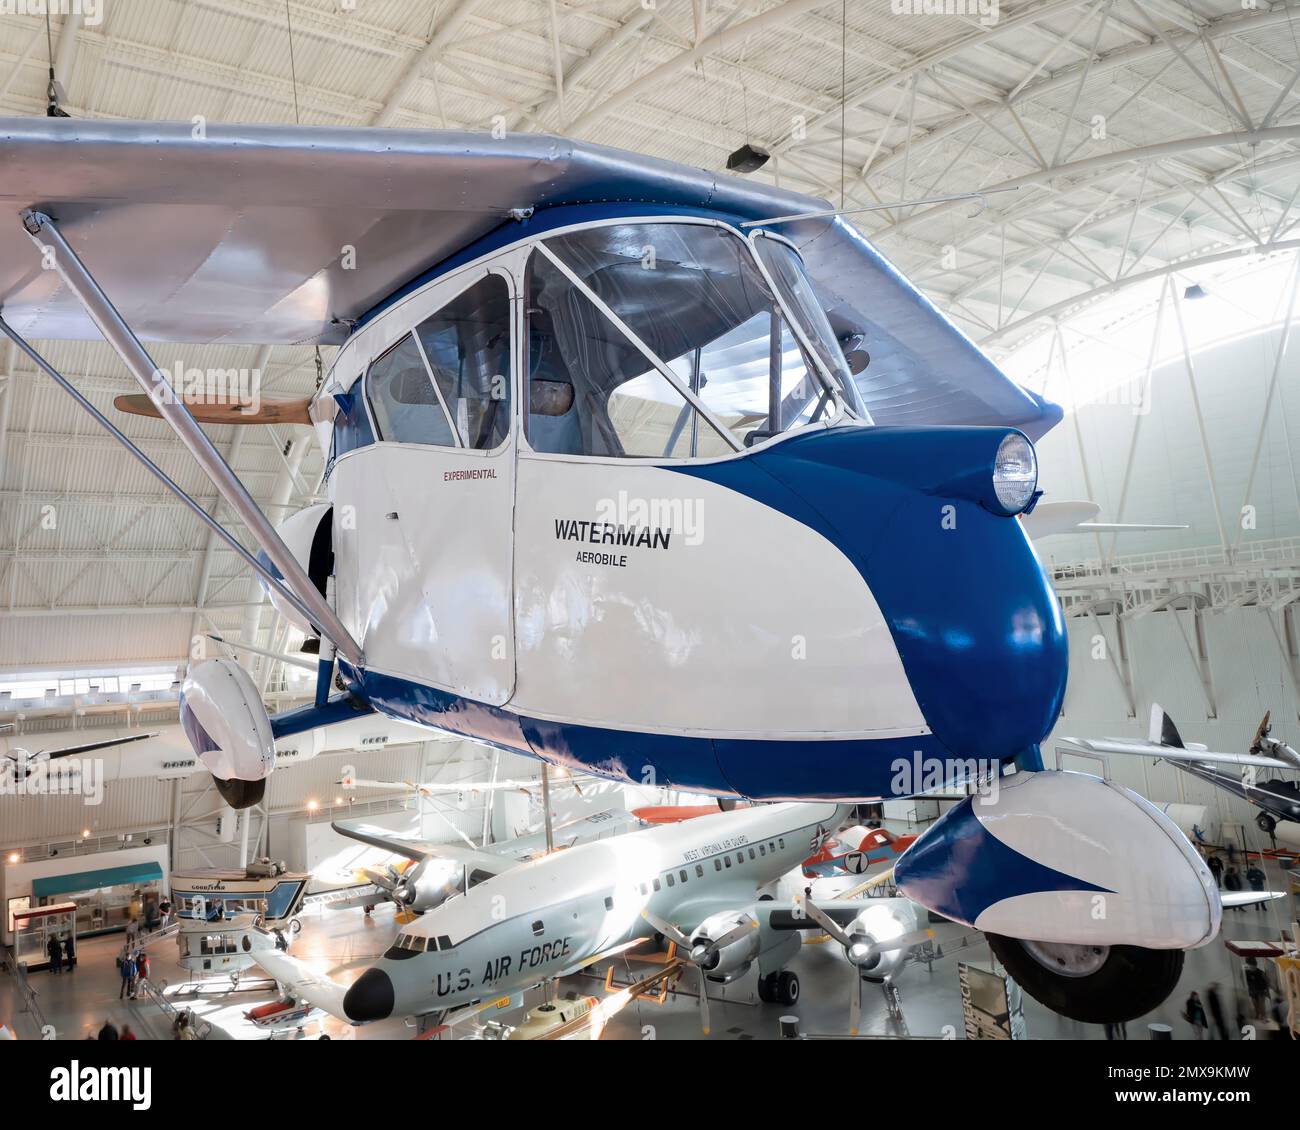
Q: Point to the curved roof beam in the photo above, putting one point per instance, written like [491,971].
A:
[925,62]
[719,41]
[1110,216]
[1224,27]
[1103,161]
[449,25]
[1058,308]
[596,57]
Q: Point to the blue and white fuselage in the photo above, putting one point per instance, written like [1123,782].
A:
[543,543]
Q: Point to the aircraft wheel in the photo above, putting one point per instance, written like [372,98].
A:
[1091,984]
[1265,823]
[787,988]
[767,988]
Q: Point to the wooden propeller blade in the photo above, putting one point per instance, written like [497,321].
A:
[215,411]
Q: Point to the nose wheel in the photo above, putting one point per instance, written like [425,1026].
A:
[1090,983]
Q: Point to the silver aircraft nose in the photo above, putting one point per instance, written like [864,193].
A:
[370,997]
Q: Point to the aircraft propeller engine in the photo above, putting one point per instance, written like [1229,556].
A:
[426,884]
[876,944]
[725,945]
[721,948]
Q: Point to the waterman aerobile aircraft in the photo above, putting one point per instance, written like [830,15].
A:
[634,467]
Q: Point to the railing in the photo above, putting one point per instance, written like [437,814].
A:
[144,941]
[158,994]
[1279,551]
[91,845]
[31,1009]
[1262,574]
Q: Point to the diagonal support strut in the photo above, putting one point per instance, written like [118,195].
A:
[46,236]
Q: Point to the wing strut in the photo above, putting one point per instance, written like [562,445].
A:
[153,468]
[172,408]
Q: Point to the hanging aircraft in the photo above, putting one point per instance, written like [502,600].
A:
[22,769]
[1277,798]
[636,468]
[696,882]
[840,857]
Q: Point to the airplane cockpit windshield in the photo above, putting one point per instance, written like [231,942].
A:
[665,340]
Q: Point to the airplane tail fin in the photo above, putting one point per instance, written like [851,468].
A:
[1257,743]
[1163,731]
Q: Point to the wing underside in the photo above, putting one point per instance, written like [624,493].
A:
[417,850]
[1139,748]
[277,234]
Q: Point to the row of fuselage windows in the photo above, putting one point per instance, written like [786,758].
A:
[419,943]
[720,863]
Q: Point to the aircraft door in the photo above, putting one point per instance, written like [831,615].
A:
[432,574]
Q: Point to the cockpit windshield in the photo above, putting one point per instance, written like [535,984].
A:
[667,340]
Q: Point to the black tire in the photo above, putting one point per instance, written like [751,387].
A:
[1265,823]
[1130,982]
[787,988]
[765,993]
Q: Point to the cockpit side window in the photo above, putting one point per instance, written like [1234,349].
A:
[466,346]
[447,383]
[403,399]
[351,424]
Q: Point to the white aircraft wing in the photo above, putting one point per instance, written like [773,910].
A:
[1248,898]
[1049,519]
[1128,527]
[305,984]
[418,850]
[436,787]
[1138,748]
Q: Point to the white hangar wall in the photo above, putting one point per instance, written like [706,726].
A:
[1169,482]
[1249,677]
[204,832]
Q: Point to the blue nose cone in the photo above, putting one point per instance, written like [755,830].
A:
[978,628]
[972,613]
[370,997]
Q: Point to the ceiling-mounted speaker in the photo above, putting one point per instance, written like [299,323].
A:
[747,158]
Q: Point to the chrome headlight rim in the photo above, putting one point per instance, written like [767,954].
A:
[1014,475]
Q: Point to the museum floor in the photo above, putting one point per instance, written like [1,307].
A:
[343,942]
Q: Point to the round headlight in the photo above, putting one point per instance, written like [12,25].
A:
[1015,473]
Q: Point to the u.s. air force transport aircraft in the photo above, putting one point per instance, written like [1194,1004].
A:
[696,882]
[632,467]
